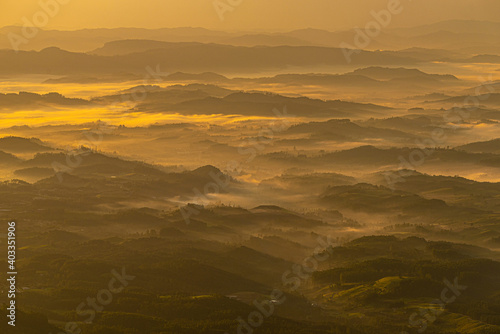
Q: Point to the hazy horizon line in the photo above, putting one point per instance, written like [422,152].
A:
[242,30]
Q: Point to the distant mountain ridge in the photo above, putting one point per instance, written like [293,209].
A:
[459,34]
[22,99]
[387,73]
[191,57]
[13,144]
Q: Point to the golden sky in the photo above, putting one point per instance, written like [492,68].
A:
[248,15]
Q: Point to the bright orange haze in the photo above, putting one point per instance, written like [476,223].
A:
[243,14]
